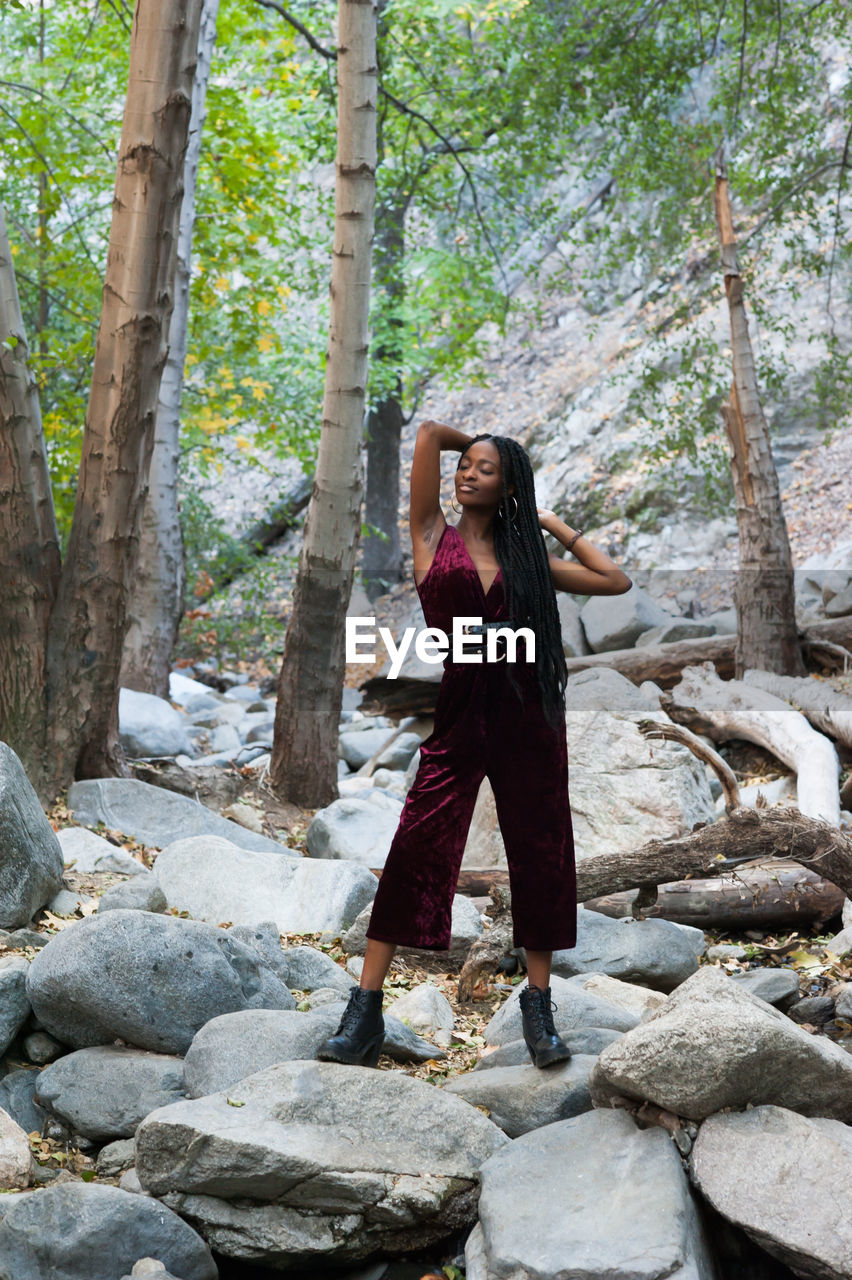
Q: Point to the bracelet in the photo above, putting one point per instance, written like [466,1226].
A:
[570,544]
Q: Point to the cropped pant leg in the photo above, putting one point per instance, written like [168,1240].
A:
[528,772]
[413,903]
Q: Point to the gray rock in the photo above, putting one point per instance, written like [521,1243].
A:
[356,828]
[215,880]
[398,754]
[20,938]
[150,980]
[140,893]
[768,1171]
[841,944]
[41,1048]
[655,953]
[712,1045]
[85,851]
[15,1158]
[427,1011]
[149,1267]
[775,986]
[677,629]
[238,1044]
[522,1098]
[465,928]
[586,1041]
[617,622]
[14,1004]
[551,1207]
[843,1002]
[30,856]
[575,1008]
[115,1157]
[357,746]
[17,1098]
[317,998]
[625,788]
[376,1159]
[307,969]
[150,726]
[61,1231]
[266,940]
[815,1010]
[68,901]
[105,1092]
[641,1001]
[726,951]
[155,816]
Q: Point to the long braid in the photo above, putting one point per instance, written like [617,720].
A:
[522,556]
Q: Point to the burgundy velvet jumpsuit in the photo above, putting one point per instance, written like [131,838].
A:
[480,729]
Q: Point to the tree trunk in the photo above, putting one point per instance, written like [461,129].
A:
[29,543]
[304,755]
[767,637]
[88,623]
[381,561]
[157,603]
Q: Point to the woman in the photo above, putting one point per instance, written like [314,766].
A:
[500,719]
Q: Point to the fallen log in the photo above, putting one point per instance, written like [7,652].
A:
[754,897]
[726,709]
[826,708]
[272,525]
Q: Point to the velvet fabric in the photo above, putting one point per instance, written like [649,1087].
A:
[481,728]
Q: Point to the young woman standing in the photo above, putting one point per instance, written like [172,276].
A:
[500,719]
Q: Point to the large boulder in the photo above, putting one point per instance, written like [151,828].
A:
[14,1005]
[522,1098]
[465,928]
[584,1042]
[654,953]
[617,622]
[215,880]
[786,1180]
[313,1162]
[308,969]
[712,1046]
[575,1008]
[17,1098]
[155,816]
[625,788]
[150,726]
[427,1011]
[15,1158]
[149,980]
[86,1231]
[139,893]
[356,828]
[30,856]
[239,1044]
[592,1197]
[104,1092]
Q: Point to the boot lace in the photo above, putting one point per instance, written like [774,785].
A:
[352,1014]
[541,1010]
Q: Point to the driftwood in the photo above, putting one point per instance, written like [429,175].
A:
[753,897]
[830,642]
[487,952]
[272,525]
[826,708]
[734,709]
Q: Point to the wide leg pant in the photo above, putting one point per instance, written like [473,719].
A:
[482,729]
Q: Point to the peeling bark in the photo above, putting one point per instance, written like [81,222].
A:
[159,584]
[30,563]
[89,618]
[304,756]
[763,592]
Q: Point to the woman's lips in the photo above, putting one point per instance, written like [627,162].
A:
[467,488]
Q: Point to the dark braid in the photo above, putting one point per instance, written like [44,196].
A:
[522,557]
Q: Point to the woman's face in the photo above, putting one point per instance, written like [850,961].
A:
[479,476]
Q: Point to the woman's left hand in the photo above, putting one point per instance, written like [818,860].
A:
[544,515]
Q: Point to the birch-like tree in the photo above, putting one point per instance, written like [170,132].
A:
[67,725]
[157,601]
[304,756]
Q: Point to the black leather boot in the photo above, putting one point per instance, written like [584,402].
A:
[544,1044]
[359,1038]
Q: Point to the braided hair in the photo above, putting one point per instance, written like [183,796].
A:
[522,557]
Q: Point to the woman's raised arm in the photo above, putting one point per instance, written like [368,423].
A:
[425,514]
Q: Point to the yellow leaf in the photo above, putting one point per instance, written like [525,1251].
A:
[265,343]
[233,1103]
[263,307]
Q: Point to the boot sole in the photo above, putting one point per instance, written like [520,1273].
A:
[369,1058]
[549,1057]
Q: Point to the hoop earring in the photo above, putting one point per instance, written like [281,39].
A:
[514,514]
[453,505]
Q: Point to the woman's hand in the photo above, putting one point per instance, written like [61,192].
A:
[544,516]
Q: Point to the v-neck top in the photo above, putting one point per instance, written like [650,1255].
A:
[453,588]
